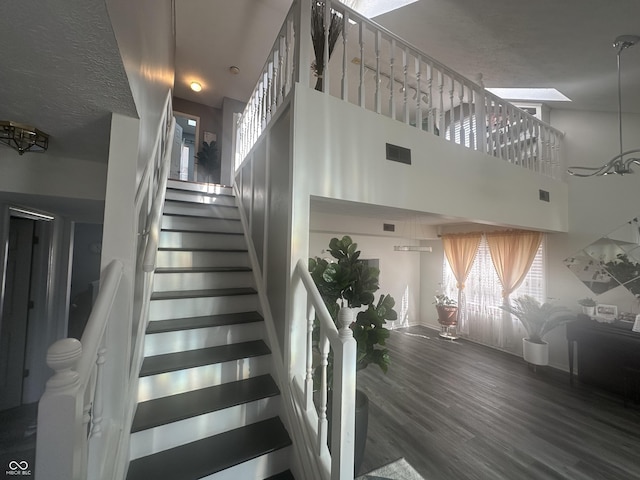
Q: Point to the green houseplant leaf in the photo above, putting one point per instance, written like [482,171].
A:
[350,282]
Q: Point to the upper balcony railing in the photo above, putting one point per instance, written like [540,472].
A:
[363,63]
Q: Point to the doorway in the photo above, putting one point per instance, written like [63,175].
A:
[26,271]
[190,133]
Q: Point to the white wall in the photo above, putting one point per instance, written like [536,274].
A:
[597,206]
[46,175]
[144,31]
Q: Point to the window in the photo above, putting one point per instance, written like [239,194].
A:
[483,320]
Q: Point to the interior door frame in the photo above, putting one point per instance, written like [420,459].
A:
[196,144]
[49,318]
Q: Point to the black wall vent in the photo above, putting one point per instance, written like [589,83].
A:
[398,154]
[544,195]
[388,227]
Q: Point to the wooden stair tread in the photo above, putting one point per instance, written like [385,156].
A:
[201,269]
[200,217]
[206,232]
[194,249]
[212,454]
[223,319]
[286,475]
[212,292]
[173,408]
[171,362]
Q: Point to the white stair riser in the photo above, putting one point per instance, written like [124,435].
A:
[211,189]
[201,240]
[201,306]
[173,222]
[202,259]
[182,340]
[200,198]
[180,381]
[163,437]
[201,210]
[260,467]
[165,282]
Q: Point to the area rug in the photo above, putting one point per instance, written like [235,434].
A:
[398,470]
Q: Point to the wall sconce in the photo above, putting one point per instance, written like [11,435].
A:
[23,138]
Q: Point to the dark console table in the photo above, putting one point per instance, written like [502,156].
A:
[607,352]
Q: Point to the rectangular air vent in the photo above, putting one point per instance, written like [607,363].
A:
[396,153]
[544,195]
[388,227]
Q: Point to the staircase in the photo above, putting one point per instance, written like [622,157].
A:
[207,404]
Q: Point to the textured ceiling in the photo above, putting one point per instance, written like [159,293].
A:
[547,43]
[61,72]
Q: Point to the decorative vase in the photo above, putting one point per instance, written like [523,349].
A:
[535,353]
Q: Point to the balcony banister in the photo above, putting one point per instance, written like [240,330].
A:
[155,217]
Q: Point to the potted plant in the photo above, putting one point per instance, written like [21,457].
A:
[447,309]
[208,162]
[350,283]
[538,320]
[588,306]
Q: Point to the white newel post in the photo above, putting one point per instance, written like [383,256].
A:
[61,440]
[344,400]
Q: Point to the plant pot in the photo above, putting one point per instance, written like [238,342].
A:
[447,314]
[535,353]
[591,311]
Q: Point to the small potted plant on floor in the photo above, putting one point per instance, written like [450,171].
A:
[447,309]
[538,320]
[588,306]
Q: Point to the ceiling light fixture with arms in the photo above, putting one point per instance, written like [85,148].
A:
[618,164]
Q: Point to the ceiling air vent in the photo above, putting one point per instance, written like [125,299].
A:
[388,227]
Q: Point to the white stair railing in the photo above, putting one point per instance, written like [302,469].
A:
[339,463]
[70,410]
[75,441]
[375,69]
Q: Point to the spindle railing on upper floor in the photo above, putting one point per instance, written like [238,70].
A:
[375,69]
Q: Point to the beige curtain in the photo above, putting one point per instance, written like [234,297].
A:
[461,250]
[512,253]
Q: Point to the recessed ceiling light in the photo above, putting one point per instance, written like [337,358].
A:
[234,70]
[536,94]
[196,87]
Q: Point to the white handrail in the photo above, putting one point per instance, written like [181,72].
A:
[71,399]
[97,322]
[79,435]
[151,249]
[340,461]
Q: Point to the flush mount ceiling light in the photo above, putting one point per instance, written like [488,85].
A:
[195,86]
[618,164]
[23,138]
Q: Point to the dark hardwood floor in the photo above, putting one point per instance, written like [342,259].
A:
[458,410]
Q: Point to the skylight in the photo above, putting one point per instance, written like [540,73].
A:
[373,8]
[533,94]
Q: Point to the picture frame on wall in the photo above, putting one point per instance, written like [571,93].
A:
[607,313]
